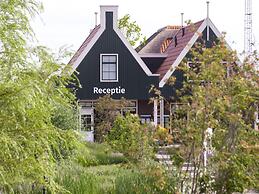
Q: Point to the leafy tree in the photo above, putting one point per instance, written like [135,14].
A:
[106,109]
[131,30]
[32,86]
[222,95]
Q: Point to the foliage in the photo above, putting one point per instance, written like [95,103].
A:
[129,137]
[32,87]
[163,136]
[93,154]
[147,177]
[65,117]
[75,180]
[106,110]
[221,96]
[92,180]
[131,30]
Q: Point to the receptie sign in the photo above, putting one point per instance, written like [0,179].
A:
[111,91]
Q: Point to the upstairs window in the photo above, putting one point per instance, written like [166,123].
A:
[109,67]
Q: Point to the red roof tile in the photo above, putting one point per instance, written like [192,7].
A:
[85,43]
[174,51]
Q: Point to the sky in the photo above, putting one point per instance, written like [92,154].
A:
[68,22]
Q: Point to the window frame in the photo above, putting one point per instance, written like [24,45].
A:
[101,67]
[145,118]
[133,105]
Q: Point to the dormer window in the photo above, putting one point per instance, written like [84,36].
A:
[109,68]
[165,45]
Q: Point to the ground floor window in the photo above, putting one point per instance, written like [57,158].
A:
[131,107]
[166,121]
[86,116]
[144,119]
[86,122]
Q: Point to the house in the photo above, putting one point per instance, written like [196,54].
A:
[108,64]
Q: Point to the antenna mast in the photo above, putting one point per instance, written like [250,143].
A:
[248,42]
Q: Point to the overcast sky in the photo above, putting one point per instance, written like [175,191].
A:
[68,22]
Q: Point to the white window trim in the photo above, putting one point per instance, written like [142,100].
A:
[117,70]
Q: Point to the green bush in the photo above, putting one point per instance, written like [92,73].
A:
[129,137]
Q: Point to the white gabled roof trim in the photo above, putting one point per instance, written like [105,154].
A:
[87,48]
[182,54]
[188,47]
[133,52]
[119,33]
[153,55]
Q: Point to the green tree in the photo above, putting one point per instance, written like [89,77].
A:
[221,95]
[32,86]
[131,30]
[106,109]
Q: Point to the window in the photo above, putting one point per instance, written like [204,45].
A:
[166,121]
[86,117]
[109,67]
[131,107]
[86,122]
[145,119]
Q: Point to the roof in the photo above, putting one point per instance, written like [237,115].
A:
[84,45]
[96,33]
[154,42]
[173,51]
[158,44]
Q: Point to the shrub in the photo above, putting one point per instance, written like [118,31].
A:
[107,109]
[129,137]
[163,136]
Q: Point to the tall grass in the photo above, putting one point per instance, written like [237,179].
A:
[93,154]
[76,181]
[142,182]
[91,180]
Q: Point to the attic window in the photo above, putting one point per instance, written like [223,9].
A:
[165,45]
[109,68]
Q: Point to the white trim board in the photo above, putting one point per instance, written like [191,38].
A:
[189,45]
[133,52]
[87,48]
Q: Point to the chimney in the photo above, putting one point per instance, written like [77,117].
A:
[183,29]
[109,16]
[182,19]
[95,13]
[208,29]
